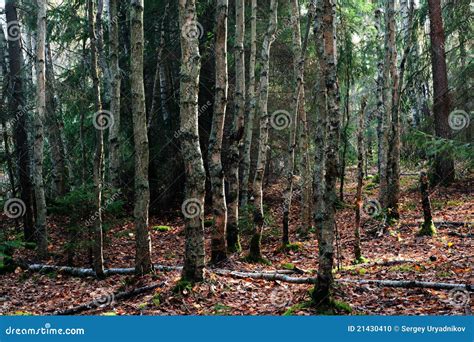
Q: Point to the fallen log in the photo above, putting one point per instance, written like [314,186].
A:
[409,284]
[98,302]
[264,275]
[271,276]
[88,272]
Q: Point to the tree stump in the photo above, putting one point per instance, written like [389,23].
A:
[427,227]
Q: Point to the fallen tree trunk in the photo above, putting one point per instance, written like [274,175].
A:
[272,276]
[409,284]
[265,275]
[88,272]
[113,297]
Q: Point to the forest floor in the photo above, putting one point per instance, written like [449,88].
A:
[446,258]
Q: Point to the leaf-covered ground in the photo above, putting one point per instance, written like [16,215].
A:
[444,258]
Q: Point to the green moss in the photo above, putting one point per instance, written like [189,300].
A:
[288,266]
[342,306]
[295,247]
[156,300]
[183,285]
[109,313]
[427,229]
[22,313]
[142,306]
[361,260]
[297,307]
[221,309]
[257,260]
[162,228]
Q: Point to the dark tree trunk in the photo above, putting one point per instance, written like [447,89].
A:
[20,114]
[443,168]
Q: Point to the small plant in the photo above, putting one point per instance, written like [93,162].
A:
[183,286]
[162,228]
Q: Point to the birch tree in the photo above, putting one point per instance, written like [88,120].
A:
[219,209]
[97,244]
[233,241]
[38,147]
[297,105]
[55,128]
[258,221]
[143,262]
[322,292]
[251,107]
[193,206]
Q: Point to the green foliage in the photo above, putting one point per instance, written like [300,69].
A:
[297,307]
[183,286]
[288,266]
[162,228]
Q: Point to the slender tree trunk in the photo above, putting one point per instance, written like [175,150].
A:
[18,109]
[193,206]
[41,229]
[143,262]
[251,107]
[97,244]
[233,240]
[392,182]
[114,130]
[3,90]
[218,243]
[101,54]
[346,120]
[54,125]
[320,99]
[322,291]
[304,160]
[298,95]
[380,90]
[443,168]
[255,253]
[160,83]
[389,60]
[360,180]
